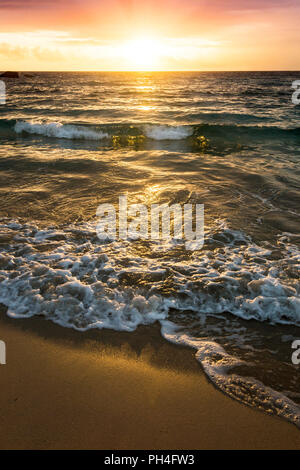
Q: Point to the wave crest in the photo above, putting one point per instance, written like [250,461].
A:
[58,130]
[168,132]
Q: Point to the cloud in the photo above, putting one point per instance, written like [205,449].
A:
[194,33]
[131,6]
[21,4]
[35,4]
[230,5]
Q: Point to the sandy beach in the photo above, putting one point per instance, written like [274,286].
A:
[62,389]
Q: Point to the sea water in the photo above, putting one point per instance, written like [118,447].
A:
[230,141]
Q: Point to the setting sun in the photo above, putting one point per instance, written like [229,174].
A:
[142,54]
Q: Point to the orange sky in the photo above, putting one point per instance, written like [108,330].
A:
[149,35]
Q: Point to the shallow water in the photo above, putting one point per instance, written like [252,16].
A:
[229,141]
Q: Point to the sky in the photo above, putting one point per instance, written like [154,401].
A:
[125,35]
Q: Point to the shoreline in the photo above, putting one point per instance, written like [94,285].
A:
[102,389]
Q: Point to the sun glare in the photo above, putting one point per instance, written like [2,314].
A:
[142,54]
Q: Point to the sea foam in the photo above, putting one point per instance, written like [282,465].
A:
[58,130]
[219,367]
[168,132]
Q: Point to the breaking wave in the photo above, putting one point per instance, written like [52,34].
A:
[168,132]
[93,132]
[58,130]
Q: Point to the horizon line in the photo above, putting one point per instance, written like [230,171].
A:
[148,71]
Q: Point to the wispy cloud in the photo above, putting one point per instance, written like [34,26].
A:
[22,4]
[232,34]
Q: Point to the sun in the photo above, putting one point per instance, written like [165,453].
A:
[142,53]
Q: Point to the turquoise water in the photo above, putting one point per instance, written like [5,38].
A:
[229,141]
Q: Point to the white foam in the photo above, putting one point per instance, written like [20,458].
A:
[58,130]
[71,131]
[168,132]
[218,365]
[243,279]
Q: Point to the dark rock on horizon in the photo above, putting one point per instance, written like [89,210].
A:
[10,75]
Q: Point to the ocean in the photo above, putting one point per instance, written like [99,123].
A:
[230,141]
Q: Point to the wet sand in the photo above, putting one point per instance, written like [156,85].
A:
[62,389]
